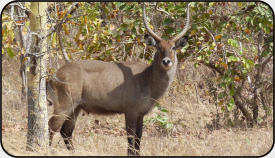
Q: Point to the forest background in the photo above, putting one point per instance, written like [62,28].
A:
[221,102]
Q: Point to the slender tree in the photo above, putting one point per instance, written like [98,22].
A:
[37,137]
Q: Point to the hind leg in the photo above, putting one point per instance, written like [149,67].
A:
[68,127]
[51,133]
[55,124]
[65,105]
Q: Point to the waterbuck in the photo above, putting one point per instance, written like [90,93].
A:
[109,87]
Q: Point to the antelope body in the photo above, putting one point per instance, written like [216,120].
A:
[108,87]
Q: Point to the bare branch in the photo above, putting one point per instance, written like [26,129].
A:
[266,61]
[63,50]
[165,12]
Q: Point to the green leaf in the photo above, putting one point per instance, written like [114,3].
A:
[169,30]
[10,52]
[161,119]
[228,79]
[231,104]
[244,71]
[164,110]
[247,19]
[260,25]
[167,21]
[118,4]
[250,62]
[223,85]
[211,4]
[150,61]
[240,4]
[233,43]
[247,63]
[169,125]
[233,58]
[133,36]
[232,91]
[124,27]
[199,58]
[201,38]
[122,6]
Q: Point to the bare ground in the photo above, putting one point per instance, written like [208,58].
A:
[193,133]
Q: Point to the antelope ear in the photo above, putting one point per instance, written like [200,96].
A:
[181,42]
[149,40]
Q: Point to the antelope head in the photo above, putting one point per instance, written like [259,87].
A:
[166,49]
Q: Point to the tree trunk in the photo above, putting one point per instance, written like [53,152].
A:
[37,137]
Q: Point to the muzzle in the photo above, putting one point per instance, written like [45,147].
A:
[166,63]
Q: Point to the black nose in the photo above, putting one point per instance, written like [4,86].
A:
[166,61]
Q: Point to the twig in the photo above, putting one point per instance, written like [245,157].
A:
[201,49]
[63,50]
[37,55]
[124,51]
[224,55]
[51,20]
[126,42]
[152,3]
[210,65]
[53,29]
[165,12]
[133,50]
[213,38]
[144,51]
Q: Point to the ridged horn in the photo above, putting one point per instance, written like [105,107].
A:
[155,36]
[186,27]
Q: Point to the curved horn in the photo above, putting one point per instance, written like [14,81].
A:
[155,36]
[185,29]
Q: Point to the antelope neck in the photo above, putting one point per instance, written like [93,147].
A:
[159,79]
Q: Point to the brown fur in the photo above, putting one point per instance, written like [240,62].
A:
[108,87]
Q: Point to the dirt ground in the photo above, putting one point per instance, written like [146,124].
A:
[193,132]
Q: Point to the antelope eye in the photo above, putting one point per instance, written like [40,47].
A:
[174,48]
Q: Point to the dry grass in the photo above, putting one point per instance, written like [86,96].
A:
[192,134]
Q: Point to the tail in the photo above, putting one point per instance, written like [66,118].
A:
[51,96]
